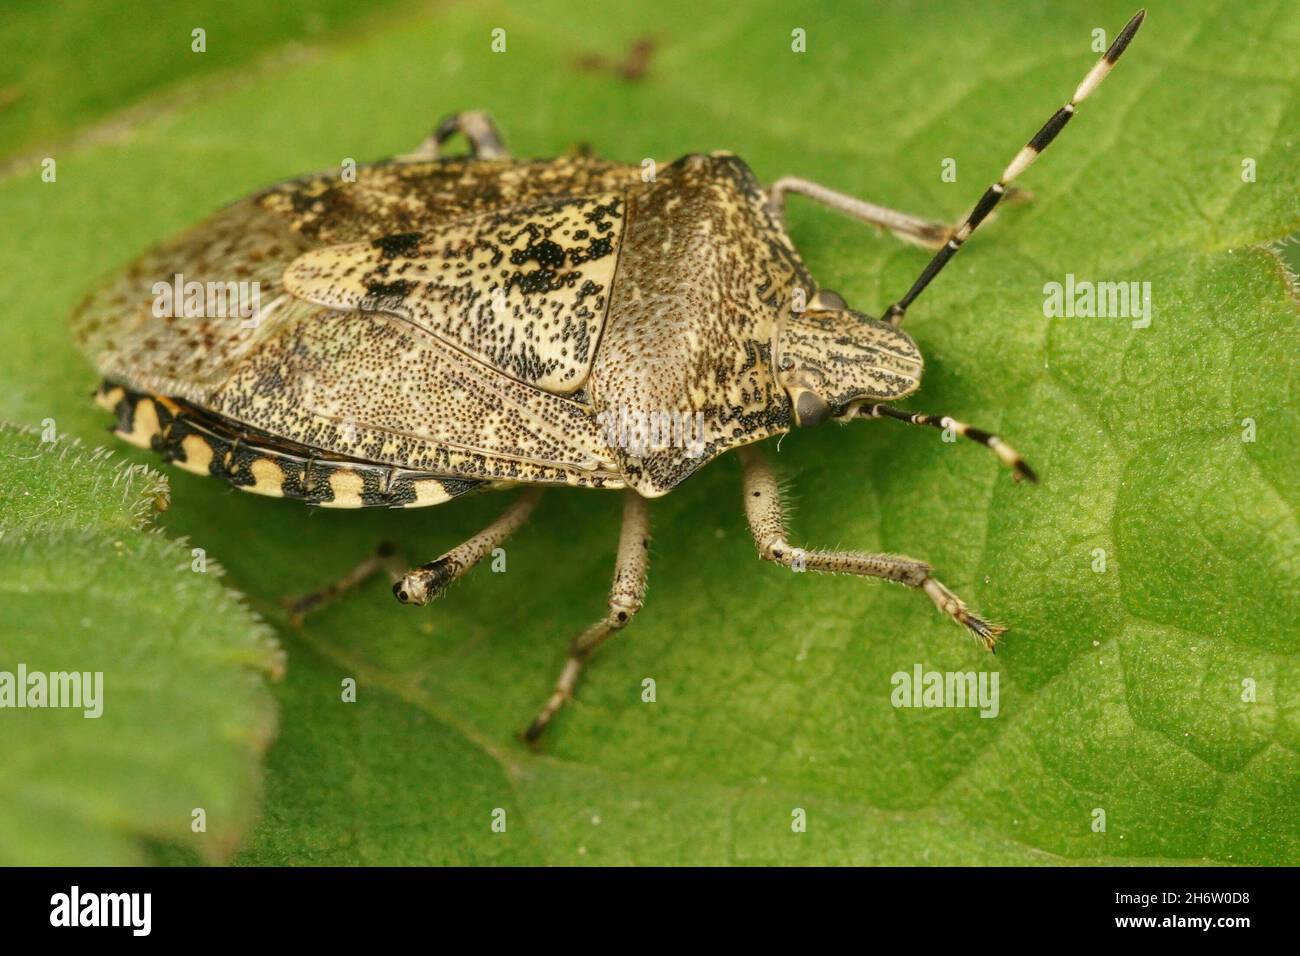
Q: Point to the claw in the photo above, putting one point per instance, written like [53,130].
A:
[986,632]
[552,707]
[424,584]
[562,695]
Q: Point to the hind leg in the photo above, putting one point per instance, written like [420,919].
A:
[423,584]
[419,585]
[386,559]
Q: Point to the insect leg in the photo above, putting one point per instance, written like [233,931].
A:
[993,195]
[385,558]
[1008,455]
[767,525]
[625,598]
[909,228]
[423,584]
[484,140]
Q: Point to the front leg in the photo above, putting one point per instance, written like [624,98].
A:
[767,525]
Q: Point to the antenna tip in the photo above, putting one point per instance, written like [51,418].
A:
[1020,470]
[1125,35]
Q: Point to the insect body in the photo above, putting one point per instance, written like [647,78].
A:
[446,325]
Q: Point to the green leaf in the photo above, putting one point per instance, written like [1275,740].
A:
[1162,690]
[97,57]
[171,713]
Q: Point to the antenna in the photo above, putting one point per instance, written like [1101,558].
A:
[993,195]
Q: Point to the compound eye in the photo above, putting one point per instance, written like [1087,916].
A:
[810,409]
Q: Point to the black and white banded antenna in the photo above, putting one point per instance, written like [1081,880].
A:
[1023,159]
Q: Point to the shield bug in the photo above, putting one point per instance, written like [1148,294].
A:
[435,326]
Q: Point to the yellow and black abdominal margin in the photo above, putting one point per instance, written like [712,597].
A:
[207,444]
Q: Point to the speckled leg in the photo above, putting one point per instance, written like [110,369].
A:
[767,524]
[385,559]
[909,228]
[625,598]
[484,140]
[423,584]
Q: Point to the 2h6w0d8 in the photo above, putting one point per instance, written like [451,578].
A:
[446,325]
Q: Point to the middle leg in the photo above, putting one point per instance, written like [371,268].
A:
[625,598]
[767,525]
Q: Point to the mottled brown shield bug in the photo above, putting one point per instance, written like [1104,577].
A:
[434,326]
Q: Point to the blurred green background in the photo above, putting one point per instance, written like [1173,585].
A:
[1123,690]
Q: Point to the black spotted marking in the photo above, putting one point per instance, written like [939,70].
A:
[402,244]
[397,289]
[524,290]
